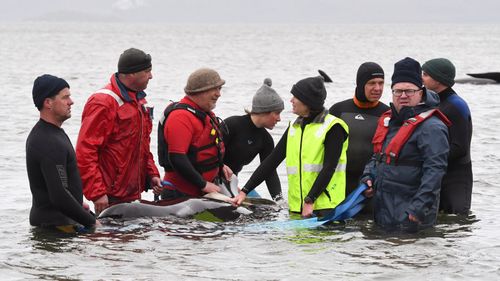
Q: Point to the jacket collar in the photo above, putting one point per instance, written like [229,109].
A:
[446,93]
[124,91]
[318,118]
[365,105]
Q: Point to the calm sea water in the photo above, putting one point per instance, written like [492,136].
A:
[459,248]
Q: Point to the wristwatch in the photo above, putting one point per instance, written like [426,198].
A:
[308,200]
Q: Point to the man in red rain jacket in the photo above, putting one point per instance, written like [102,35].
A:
[112,150]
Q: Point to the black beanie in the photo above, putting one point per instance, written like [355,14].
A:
[311,91]
[47,86]
[407,70]
[133,60]
[366,72]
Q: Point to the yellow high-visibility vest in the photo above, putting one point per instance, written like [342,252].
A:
[305,152]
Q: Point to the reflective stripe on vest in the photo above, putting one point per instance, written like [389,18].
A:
[392,150]
[304,160]
[118,99]
[314,168]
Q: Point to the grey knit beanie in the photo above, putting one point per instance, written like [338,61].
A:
[266,99]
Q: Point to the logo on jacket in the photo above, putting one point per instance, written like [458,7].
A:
[359,117]
[250,141]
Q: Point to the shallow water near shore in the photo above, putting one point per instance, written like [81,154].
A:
[458,248]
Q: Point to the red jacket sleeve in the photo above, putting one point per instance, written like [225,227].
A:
[97,123]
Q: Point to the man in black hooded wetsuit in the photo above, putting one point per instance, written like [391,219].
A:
[361,114]
[51,162]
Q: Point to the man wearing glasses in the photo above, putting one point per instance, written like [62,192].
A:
[410,154]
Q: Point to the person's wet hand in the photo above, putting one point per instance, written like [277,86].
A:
[369,192]
[211,187]
[307,210]
[236,201]
[413,218]
[101,204]
[228,173]
[157,186]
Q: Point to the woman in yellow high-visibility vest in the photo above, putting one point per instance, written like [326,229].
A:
[314,146]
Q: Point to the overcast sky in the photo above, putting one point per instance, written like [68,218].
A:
[254,11]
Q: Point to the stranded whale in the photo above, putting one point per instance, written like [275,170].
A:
[481,78]
[213,206]
[211,209]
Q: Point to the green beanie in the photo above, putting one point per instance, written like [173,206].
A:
[441,70]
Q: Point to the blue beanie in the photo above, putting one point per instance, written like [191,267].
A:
[47,86]
[407,70]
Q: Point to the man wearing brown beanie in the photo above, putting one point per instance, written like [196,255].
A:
[190,145]
[456,188]
[113,152]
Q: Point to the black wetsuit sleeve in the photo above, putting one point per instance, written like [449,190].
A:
[183,166]
[336,110]
[269,165]
[54,172]
[226,134]
[272,181]
[334,141]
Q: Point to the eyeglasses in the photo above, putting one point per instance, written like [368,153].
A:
[408,92]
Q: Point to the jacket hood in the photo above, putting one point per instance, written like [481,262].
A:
[431,99]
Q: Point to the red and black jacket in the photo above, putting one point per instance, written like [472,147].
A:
[205,148]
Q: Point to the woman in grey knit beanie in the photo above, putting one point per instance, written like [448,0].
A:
[247,135]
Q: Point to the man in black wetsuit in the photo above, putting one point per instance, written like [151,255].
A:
[456,187]
[361,114]
[246,135]
[51,162]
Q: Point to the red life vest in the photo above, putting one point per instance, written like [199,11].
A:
[206,152]
[392,150]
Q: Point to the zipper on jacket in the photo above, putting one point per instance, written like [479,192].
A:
[139,166]
[300,166]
